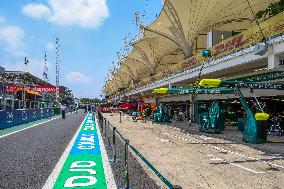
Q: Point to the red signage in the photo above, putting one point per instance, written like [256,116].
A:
[44,89]
[11,88]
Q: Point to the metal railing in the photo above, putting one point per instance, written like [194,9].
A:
[14,104]
[105,128]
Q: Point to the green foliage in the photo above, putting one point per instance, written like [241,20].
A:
[272,10]
[66,95]
[89,100]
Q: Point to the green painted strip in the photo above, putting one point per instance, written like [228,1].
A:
[82,169]
[89,125]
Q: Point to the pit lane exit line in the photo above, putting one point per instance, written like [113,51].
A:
[83,163]
[56,171]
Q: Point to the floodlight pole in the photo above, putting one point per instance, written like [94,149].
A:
[26,61]
[24,95]
[57,69]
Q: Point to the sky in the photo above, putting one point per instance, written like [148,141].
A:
[90,33]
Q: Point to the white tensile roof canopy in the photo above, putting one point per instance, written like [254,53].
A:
[172,36]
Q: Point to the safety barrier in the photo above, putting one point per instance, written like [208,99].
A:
[105,127]
[10,118]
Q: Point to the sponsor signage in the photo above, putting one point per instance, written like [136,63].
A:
[44,89]
[83,167]
[262,77]
[11,88]
[10,118]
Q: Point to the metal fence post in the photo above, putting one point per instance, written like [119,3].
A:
[120,117]
[126,178]
[102,125]
[114,159]
[105,128]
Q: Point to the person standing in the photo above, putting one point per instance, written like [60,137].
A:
[63,110]
[76,107]
[94,108]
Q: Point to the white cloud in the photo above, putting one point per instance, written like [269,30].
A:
[36,10]
[12,38]
[77,77]
[35,67]
[50,47]
[84,13]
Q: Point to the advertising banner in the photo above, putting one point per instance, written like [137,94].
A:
[11,88]
[10,118]
[44,89]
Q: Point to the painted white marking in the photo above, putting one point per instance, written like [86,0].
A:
[205,137]
[212,158]
[108,171]
[232,152]
[71,184]
[90,171]
[56,171]
[215,159]
[163,140]
[83,164]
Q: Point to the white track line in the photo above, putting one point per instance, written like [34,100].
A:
[8,134]
[108,171]
[228,151]
[234,164]
[56,171]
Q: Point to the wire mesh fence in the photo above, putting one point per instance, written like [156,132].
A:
[131,170]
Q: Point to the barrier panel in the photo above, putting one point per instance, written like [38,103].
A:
[10,118]
[56,111]
[106,127]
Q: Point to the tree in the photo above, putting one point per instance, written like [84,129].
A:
[90,100]
[66,95]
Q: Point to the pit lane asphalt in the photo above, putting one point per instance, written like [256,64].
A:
[28,157]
